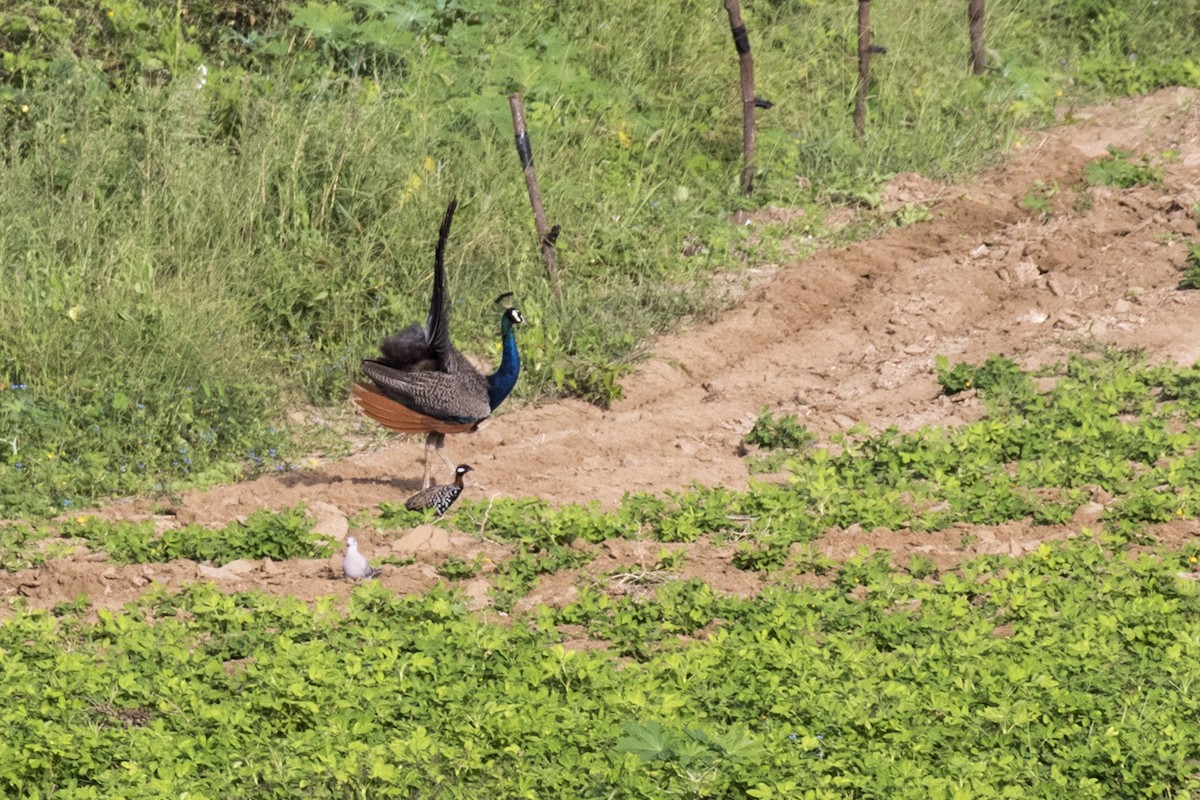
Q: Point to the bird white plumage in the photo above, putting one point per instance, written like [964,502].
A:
[354,565]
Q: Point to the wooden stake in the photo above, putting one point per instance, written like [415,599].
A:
[741,42]
[975,18]
[864,67]
[546,236]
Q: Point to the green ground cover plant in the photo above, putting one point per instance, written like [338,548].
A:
[212,212]
[265,534]
[1191,272]
[1119,171]
[1070,672]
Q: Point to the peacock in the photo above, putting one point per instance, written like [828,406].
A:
[439,498]
[423,384]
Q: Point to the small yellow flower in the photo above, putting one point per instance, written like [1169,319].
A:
[1058,93]
[1017,143]
[429,164]
[49,456]
[62,138]
[1193,559]
[1179,512]
[109,13]
[75,312]
[24,108]
[623,137]
[81,519]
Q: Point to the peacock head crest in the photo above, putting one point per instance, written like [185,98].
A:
[512,315]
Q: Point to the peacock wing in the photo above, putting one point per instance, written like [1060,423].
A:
[454,397]
[408,350]
[398,417]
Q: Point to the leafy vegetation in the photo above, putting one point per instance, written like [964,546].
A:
[1191,272]
[265,534]
[1039,197]
[784,432]
[212,212]
[1071,669]
[1118,171]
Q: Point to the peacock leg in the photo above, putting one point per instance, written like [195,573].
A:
[435,442]
[432,442]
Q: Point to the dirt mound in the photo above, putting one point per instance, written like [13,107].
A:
[843,337]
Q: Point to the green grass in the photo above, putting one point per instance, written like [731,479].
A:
[209,257]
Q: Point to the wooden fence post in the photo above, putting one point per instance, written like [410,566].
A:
[741,42]
[975,18]
[864,67]
[546,236]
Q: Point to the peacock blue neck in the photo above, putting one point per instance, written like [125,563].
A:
[502,381]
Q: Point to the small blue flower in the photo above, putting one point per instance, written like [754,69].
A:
[66,502]
[19,466]
[19,386]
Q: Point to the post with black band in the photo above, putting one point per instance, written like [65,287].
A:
[864,67]
[741,42]
[546,236]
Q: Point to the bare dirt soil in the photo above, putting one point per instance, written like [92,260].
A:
[843,337]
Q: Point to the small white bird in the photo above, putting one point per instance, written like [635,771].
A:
[354,565]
